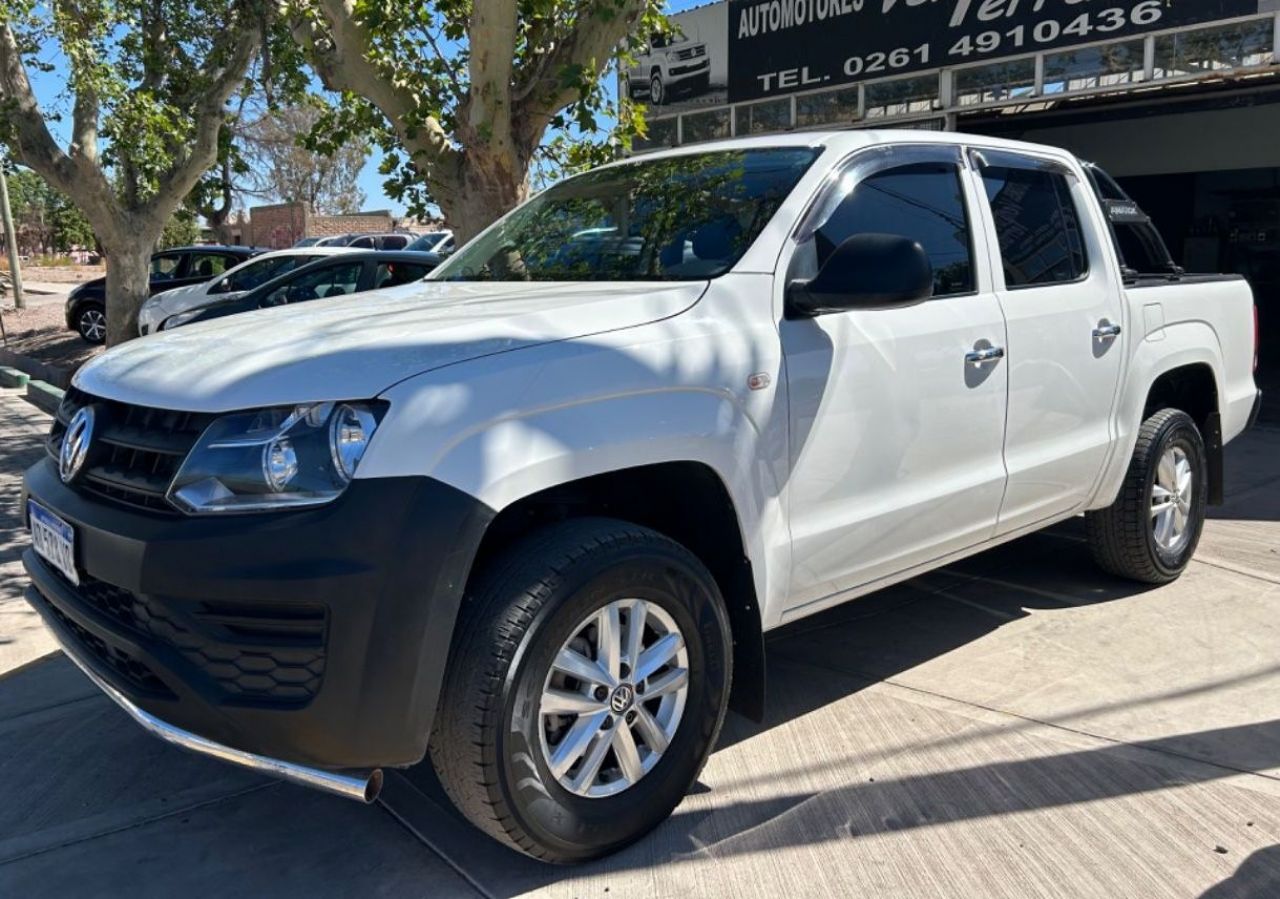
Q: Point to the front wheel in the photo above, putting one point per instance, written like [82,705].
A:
[91,323]
[1150,532]
[657,90]
[586,688]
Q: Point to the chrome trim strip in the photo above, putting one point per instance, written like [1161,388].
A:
[362,787]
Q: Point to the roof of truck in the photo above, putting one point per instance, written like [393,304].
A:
[851,139]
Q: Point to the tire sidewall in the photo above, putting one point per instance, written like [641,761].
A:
[581,827]
[1179,431]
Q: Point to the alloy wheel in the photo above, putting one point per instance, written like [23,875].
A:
[93,325]
[1171,499]
[614,697]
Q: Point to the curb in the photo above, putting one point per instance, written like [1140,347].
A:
[52,374]
[44,396]
[12,377]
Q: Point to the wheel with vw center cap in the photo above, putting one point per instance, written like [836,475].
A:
[587,685]
[1151,531]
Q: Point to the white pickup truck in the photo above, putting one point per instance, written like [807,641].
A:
[532,516]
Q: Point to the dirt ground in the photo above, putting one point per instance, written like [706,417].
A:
[40,331]
[61,274]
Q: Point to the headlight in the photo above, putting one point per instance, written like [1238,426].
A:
[673,56]
[276,458]
[177,321]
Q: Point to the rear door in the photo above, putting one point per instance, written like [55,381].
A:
[896,432]
[1063,304]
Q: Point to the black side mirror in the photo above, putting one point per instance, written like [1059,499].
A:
[867,271]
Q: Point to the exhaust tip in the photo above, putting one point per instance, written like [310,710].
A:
[373,786]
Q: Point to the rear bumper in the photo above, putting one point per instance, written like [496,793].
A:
[319,637]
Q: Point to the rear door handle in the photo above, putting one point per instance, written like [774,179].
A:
[1106,331]
[984,356]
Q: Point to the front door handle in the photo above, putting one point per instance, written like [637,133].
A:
[1106,331]
[984,356]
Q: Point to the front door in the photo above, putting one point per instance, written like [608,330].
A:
[1065,313]
[896,415]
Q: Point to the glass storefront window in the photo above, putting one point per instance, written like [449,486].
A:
[1212,49]
[662,133]
[826,108]
[762,118]
[902,96]
[996,82]
[710,125]
[1093,67]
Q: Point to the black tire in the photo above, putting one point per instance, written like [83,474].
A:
[486,743]
[91,322]
[1122,536]
[657,90]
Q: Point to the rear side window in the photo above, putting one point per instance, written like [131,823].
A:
[1041,241]
[390,274]
[924,202]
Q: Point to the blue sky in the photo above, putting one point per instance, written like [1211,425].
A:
[50,88]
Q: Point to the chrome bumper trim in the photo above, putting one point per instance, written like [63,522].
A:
[362,787]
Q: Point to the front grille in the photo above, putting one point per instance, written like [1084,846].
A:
[136,450]
[691,52]
[252,653]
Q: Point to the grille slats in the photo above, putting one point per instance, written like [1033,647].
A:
[136,450]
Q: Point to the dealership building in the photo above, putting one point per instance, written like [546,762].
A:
[1179,99]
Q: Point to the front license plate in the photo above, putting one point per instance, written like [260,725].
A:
[54,540]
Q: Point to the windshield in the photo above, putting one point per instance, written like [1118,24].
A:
[427,242]
[670,219]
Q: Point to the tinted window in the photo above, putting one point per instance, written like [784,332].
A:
[207,265]
[165,267]
[331,281]
[395,242]
[674,218]
[1037,224]
[362,243]
[389,274]
[259,272]
[924,202]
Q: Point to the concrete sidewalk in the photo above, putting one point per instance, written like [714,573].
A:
[1015,725]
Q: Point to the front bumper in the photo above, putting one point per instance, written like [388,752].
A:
[318,636]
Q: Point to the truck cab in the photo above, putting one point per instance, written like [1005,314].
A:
[532,517]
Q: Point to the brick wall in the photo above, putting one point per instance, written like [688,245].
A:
[331,225]
[284,224]
[278,226]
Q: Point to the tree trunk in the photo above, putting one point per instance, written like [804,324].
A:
[486,189]
[128,285]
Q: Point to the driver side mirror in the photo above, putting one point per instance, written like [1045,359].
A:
[867,271]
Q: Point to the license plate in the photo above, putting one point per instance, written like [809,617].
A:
[54,540]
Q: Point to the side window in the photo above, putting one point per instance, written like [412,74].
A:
[395,242]
[362,243]
[207,265]
[923,201]
[389,274]
[165,267]
[259,272]
[331,281]
[1039,229]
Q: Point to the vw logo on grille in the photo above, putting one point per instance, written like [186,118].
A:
[75,444]
[622,698]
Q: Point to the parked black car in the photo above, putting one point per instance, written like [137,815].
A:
[328,276]
[87,303]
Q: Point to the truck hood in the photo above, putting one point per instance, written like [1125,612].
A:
[355,347]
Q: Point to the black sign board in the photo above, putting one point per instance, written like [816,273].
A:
[778,47]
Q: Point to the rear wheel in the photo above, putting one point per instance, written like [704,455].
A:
[91,323]
[587,685]
[1150,532]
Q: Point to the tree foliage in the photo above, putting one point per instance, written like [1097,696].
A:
[148,82]
[460,94]
[280,167]
[44,219]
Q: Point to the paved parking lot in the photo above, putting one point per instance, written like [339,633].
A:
[1015,725]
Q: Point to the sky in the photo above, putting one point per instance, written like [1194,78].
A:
[50,89]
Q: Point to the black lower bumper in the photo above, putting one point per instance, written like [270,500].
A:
[318,636]
[1255,411]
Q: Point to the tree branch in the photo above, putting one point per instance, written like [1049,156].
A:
[492,37]
[338,48]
